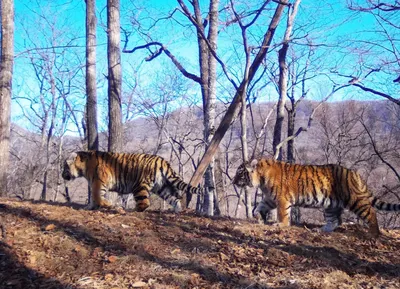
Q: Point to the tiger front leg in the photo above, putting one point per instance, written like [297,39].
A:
[97,200]
[284,208]
[263,210]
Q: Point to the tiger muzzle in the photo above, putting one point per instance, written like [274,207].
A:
[66,174]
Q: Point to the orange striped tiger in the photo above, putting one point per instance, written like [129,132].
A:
[332,187]
[137,174]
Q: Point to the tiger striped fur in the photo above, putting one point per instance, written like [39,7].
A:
[137,174]
[332,187]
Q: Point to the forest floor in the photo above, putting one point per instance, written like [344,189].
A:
[48,245]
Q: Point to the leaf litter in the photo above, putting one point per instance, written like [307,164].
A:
[50,245]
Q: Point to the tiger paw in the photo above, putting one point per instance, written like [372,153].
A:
[178,208]
[328,228]
[259,219]
[105,204]
[281,225]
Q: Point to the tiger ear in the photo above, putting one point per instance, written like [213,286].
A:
[254,163]
[84,156]
[71,158]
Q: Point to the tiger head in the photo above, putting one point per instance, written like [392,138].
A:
[75,166]
[245,174]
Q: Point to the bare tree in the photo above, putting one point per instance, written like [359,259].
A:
[283,78]
[6,72]
[114,76]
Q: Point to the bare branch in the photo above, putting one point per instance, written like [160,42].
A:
[310,119]
[377,151]
[396,101]
[161,48]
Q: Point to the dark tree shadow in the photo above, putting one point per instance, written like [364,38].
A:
[15,275]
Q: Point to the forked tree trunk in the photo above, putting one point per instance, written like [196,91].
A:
[6,71]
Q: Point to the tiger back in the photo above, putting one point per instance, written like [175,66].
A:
[332,187]
[137,174]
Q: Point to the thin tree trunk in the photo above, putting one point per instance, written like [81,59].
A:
[295,214]
[6,71]
[219,184]
[290,131]
[280,110]
[91,93]
[283,82]
[209,113]
[208,67]
[245,152]
[114,76]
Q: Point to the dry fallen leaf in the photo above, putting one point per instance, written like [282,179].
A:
[139,284]
[50,227]
[175,251]
[112,259]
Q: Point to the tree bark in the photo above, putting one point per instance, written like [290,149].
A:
[114,76]
[208,68]
[6,71]
[209,103]
[235,105]
[283,83]
[91,93]
[280,110]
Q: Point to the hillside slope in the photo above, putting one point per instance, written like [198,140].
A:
[57,246]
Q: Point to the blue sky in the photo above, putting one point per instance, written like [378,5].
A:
[323,22]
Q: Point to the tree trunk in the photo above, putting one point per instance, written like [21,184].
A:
[219,184]
[283,83]
[208,67]
[234,107]
[290,132]
[91,93]
[209,101]
[245,152]
[280,110]
[114,76]
[6,71]
[295,214]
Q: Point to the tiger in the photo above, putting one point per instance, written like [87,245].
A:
[332,187]
[125,173]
